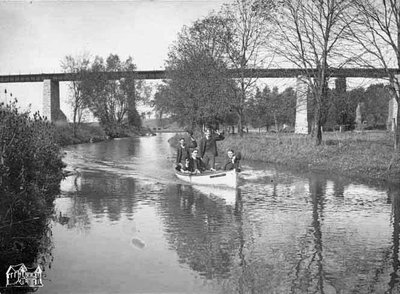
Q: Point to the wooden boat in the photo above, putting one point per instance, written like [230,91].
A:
[217,178]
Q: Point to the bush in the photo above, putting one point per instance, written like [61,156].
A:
[85,133]
[30,175]
[30,164]
[115,130]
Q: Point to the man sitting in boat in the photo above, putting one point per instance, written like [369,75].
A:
[183,152]
[233,161]
[194,164]
[208,148]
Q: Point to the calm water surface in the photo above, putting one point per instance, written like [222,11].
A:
[124,224]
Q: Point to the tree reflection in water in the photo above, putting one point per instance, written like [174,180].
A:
[224,243]
[92,194]
[303,235]
[394,196]
[203,231]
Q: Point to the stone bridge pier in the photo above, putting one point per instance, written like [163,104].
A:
[301,122]
[393,110]
[51,101]
[392,115]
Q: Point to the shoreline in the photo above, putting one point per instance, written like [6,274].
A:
[362,157]
[90,133]
[360,160]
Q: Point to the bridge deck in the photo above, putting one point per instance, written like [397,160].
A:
[161,74]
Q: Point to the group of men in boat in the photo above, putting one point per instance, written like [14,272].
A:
[191,159]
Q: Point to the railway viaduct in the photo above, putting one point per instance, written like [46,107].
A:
[51,93]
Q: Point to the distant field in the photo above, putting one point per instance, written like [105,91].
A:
[166,125]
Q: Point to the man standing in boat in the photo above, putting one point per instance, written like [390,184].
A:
[208,148]
[183,151]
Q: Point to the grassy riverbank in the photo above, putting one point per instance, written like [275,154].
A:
[90,133]
[85,133]
[366,156]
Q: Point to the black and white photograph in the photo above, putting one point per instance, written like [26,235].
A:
[199,146]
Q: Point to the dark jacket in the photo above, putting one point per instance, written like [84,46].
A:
[183,153]
[210,145]
[195,164]
[233,164]
[229,165]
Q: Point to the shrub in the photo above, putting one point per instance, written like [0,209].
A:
[30,175]
[30,164]
[85,133]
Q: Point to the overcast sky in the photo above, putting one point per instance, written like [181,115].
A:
[36,35]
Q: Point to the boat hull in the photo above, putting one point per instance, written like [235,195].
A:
[219,193]
[220,178]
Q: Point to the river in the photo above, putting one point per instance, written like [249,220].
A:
[124,224]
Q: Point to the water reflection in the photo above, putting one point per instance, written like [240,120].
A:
[280,232]
[394,198]
[203,231]
[99,197]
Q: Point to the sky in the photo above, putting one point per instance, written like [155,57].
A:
[36,35]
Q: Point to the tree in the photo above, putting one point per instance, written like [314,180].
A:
[342,107]
[287,106]
[313,35]
[245,38]
[197,90]
[112,100]
[256,110]
[378,35]
[162,101]
[78,65]
[376,102]
[268,108]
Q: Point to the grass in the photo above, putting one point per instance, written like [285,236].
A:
[367,155]
[90,133]
[85,133]
[166,124]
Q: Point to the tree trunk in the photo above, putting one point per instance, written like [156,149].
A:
[194,125]
[74,126]
[320,104]
[397,129]
[161,120]
[242,100]
[2,151]
[317,124]
[240,126]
